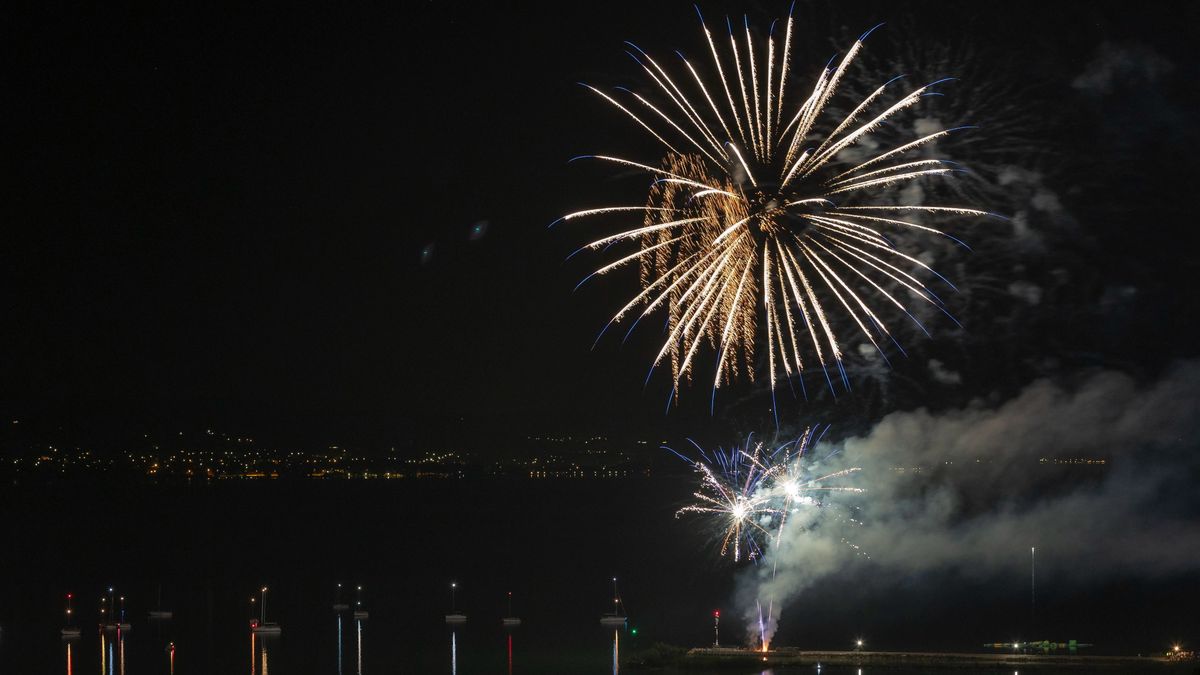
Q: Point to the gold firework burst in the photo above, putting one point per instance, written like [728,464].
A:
[760,231]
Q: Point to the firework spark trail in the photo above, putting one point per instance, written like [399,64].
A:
[731,487]
[751,490]
[754,218]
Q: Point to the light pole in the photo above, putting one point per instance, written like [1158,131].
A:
[262,607]
[717,628]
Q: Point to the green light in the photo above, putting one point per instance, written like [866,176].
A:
[634,631]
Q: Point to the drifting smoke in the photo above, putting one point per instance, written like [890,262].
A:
[959,491]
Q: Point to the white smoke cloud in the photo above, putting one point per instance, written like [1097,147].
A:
[1026,291]
[942,374]
[958,491]
[1116,66]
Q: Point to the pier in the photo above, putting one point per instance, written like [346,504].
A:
[722,657]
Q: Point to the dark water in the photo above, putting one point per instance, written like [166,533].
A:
[554,545]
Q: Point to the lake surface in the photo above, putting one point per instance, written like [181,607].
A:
[555,545]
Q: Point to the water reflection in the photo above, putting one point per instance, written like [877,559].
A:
[339,640]
[68,658]
[510,654]
[358,649]
[616,652]
[453,653]
[112,653]
[260,648]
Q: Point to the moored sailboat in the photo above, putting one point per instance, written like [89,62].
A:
[615,617]
[511,620]
[454,616]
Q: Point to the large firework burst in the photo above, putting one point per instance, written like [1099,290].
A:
[756,220]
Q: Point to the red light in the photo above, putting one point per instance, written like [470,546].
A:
[717,613]
[69,596]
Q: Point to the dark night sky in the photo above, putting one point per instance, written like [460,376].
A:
[218,218]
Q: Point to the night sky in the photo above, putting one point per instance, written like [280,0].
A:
[218,219]
[329,225]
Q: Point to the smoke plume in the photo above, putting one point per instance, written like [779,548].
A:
[1105,464]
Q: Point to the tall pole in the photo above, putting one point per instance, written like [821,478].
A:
[262,607]
[1032,584]
[717,628]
